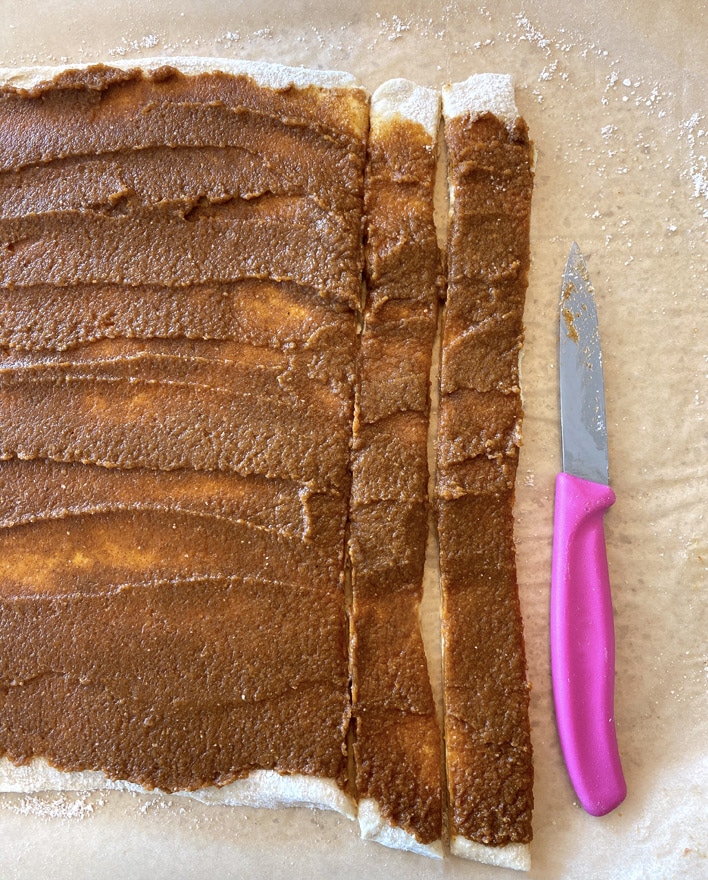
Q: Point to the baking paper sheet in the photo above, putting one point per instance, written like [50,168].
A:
[615,99]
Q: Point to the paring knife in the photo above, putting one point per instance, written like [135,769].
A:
[582,628]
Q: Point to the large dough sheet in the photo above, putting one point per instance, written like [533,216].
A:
[615,102]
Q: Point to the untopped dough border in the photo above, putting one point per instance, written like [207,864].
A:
[261,788]
[263,73]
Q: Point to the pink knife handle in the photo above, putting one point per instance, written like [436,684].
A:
[583,644]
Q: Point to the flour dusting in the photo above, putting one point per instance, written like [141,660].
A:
[697,139]
[52,806]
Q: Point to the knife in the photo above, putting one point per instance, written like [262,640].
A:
[582,628]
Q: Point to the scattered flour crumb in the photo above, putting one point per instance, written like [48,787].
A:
[393,28]
[532,34]
[697,136]
[548,71]
[147,42]
[155,804]
[54,806]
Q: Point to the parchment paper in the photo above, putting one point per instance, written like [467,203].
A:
[615,98]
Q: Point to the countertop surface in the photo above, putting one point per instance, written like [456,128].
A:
[615,99]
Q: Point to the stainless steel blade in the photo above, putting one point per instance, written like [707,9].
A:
[582,389]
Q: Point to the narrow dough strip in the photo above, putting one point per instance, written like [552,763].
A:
[487,736]
[397,746]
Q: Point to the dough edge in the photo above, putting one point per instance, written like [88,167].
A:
[264,73]
[513,855]
[373,826]
[261,788]
[405,101]
[481,93]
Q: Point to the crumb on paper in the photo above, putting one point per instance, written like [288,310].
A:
[393,28]
[696,135]
[53,806]
[154,804]
[128,46]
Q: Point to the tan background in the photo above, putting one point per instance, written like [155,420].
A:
[615,98]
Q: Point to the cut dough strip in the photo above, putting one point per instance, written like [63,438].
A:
[487,737]
[397,747]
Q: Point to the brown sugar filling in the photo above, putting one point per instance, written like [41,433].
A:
[180,267]
[397,747]
[180,280]
[488,747]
